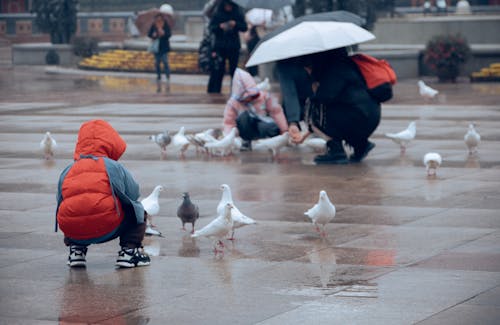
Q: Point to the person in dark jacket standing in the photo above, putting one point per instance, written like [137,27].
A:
[226,24]
[252,39]
[160,30]
[342,107]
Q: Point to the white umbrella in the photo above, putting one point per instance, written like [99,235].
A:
[259,16]
[307,38]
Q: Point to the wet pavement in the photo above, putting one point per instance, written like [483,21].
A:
[402,249]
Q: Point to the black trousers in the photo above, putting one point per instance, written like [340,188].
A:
[217,74]
[130,232]
[347,123]
[251,128]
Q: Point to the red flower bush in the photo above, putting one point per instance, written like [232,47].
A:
[446,52]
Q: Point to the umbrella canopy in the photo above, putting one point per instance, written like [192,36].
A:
[307,38]
[265,4]
[145,19]
[259,16]
[339,15]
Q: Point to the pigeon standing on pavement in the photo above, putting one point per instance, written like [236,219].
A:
[321,213]
[200,139]
[426,91]
[317,144]
[152,208]
[188,212]
[472,139]
[223,146]
[48,146]
[162,140]
[274,144]
[217,229]
[180,142]
[432,161]
[239,219]
[404,137]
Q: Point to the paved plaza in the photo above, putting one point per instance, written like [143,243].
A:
[403,248]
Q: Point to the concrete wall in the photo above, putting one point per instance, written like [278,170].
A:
[34,53]
[477,30]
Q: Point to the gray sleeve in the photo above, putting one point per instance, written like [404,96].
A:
[289,94]
[125,187]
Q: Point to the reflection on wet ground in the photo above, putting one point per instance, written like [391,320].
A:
[403,248]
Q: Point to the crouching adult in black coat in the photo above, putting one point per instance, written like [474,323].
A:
[226,24]
[342,108]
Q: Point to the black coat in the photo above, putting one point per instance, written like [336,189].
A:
[342,86]
[227,39]
[164,40]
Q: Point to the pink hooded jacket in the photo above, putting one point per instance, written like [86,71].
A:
[265,105]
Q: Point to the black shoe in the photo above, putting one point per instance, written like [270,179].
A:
[335,154]
[76,256]
[246,145]
[132,257]
[361,153]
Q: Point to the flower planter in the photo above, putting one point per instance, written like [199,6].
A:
[448,74]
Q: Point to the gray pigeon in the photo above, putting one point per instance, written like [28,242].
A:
[188,212]
[162,140]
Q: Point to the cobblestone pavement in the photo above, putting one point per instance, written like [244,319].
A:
[402,249]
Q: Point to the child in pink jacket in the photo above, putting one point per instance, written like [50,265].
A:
[254,112]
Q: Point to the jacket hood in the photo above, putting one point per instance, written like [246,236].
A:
[244,85]
[98,138]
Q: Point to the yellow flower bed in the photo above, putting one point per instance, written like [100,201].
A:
[139,61]
[491,73]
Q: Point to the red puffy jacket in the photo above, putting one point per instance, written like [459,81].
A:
[88,208]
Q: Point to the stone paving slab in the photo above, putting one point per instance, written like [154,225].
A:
[403,248]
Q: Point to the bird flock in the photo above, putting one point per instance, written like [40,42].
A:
[432,160]
[228,217]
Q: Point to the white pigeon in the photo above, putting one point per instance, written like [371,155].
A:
[162,140]
[472,139]
[432,161]
[426,91]
[180,142]
[264,85]
[321,213]
[48,146]
[223,146]
[217,229]
[239,219]
[317,144]
[404,137]
[152,207]
[200,139]
[274,144]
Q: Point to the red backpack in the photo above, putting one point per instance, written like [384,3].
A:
[378,74]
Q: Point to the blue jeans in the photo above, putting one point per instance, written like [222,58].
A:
[159,58]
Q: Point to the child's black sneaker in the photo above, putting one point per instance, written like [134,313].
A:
[76,256]
[132,257]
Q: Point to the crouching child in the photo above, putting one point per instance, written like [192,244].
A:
[97,198]
[254,112]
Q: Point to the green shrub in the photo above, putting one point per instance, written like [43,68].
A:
[85,46]
[52,58]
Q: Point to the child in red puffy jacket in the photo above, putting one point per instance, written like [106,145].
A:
[97,198]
